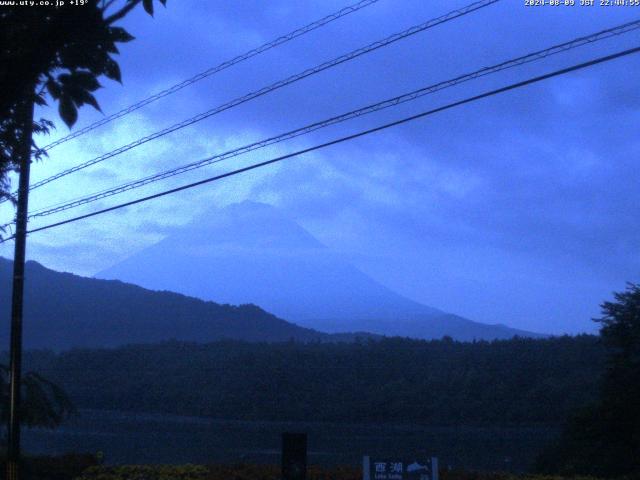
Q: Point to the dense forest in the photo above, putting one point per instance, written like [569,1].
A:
[519,381]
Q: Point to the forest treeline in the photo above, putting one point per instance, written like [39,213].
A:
[518,381]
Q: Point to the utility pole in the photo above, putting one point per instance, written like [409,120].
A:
[23,154]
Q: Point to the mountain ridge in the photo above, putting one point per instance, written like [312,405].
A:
[63,310]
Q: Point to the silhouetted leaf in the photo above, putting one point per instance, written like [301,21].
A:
[43,126]
[148,6]
[111,47]
[54,88]
[91,100]
[112,70]
[119,34]
[39,100]
[68,111]
[83,80]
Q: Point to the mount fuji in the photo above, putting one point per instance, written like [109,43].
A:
[251,253]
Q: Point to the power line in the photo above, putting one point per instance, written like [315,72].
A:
[213,70]
[490,93]
[525,59]
[277,85]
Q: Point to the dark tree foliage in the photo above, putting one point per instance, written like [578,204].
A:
[44,404]
[604,439]
[55,53]
[440,382]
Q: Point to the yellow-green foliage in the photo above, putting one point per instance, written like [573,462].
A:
[269,472]
[466,475]
[146,472]
[213,472]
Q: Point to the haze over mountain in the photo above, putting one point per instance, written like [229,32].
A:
[63,310]
[250,253]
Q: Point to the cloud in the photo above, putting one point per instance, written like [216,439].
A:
[479,210]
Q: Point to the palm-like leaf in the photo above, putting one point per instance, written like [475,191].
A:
[44,404]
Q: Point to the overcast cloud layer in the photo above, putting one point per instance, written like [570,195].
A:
[519,209]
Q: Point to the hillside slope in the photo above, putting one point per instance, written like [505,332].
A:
[63,310]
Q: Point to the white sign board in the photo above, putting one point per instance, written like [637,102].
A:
[399,469]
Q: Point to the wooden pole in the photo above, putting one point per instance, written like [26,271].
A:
[23,152]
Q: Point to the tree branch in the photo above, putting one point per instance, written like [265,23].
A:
[122,12]
[107,4]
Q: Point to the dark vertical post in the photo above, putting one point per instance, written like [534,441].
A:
[25,114]
[294,456]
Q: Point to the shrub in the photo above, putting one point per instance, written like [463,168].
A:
[65,467]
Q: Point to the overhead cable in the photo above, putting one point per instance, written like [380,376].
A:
[407,97]
[254,166]
[213,70]
[274,86]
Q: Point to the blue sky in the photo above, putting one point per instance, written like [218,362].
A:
[520,209]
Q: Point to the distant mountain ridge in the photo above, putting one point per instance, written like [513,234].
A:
[64,311]
[251,253]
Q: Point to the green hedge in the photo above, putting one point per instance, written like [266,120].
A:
[212,472]
[146,472]
[269,472]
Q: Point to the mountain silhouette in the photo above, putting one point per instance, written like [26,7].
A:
[62,311]
[251,253]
